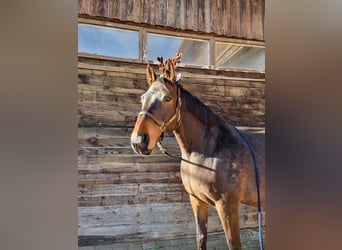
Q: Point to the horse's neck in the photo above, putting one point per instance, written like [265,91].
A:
[200,130]
[187,134]
[194,136]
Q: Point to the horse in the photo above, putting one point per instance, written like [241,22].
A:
[217,168]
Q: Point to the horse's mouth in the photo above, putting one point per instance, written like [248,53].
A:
[138,150]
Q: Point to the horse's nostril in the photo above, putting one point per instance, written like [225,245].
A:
[139,143]
[144,141]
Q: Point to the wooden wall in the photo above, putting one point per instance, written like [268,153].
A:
[109,92]
[242,19]
[124,197]
[129,197]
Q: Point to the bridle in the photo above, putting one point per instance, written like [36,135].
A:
[176,115]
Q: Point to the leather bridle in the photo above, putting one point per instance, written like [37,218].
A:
[176,115]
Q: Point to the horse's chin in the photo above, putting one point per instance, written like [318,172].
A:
[141,151]
[146,152]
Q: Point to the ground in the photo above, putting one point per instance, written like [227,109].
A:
[249,239]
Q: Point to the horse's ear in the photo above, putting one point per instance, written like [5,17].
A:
[170,70]
[150,75]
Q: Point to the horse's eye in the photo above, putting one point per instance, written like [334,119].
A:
[167,99]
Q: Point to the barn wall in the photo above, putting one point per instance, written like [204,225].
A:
[137,198]
[230,18]
[109,92]
[124,197]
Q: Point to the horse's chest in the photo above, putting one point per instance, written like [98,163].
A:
[196,181]
[208,183]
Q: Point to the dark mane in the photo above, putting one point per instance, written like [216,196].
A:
[224,137]
[200,110]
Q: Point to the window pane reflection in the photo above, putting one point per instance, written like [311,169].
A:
[195,51]
[108,41]
[228,55]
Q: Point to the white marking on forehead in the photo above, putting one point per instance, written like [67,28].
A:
[151,95]
[158,90]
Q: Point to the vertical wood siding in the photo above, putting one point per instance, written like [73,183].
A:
[243,19]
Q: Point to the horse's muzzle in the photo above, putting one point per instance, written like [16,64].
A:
[139,144]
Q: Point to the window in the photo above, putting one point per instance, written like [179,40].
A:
[237,56]
[105,41]
[195,51]
[142,44]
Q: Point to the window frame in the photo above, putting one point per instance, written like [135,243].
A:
[143,31]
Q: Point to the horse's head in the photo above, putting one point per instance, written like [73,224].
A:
[160,109]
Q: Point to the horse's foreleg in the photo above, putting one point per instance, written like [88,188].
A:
[229,216]
[201,217]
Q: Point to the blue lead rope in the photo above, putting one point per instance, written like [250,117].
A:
[257,184]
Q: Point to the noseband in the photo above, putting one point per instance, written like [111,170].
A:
[164,124]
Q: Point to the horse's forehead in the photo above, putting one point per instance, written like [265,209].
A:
[158,87]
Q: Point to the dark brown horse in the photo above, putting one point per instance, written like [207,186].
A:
[223,175]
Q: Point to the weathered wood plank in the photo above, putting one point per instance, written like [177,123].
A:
[201,14]
[100,159]
[138,79]
[243,117]
[215,17]
[129,189]
[171,15]
[127,167]
[159,9]
[130,193]
[144,11]
[235,15]
[83,6]
[103,132]
[114,9]
[257,18]
[109,200]
[139,68]
[246,19]
[128,178]
[101,7]
[156,220]
[151,12]
[228,19]
[188,6]
[133,11]
[109,142]
[223,17]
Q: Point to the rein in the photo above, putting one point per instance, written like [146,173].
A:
[163,150]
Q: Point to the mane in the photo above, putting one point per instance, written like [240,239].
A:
[200,110]
[225,136]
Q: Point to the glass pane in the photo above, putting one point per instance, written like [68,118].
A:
[108,41]
[230,55]
[195,51]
